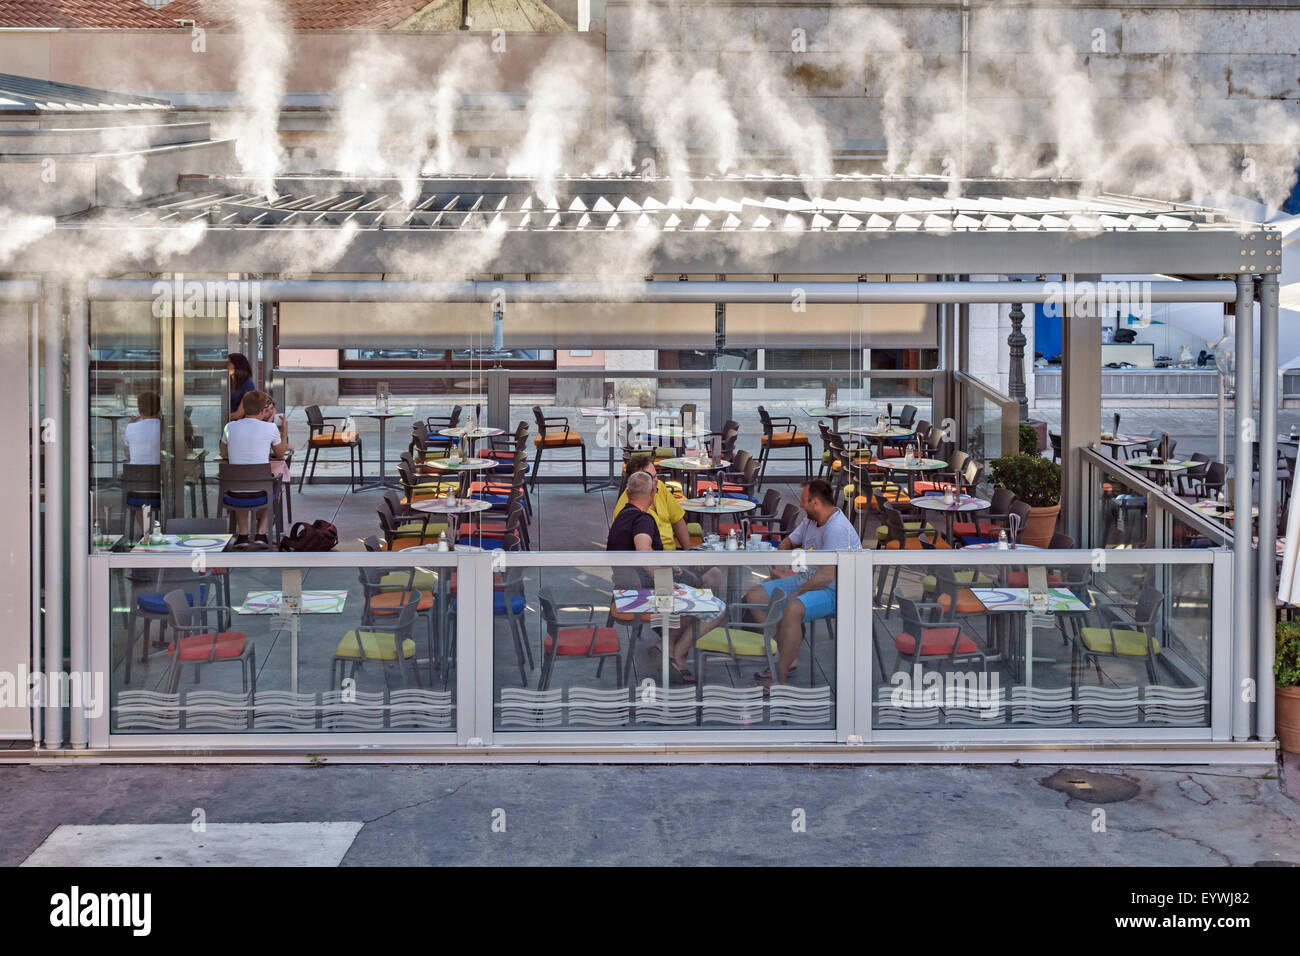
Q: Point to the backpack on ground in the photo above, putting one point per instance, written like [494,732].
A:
[318,536]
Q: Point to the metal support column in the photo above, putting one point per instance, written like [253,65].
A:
[1266,583]
[498,399]
[53,443]
[36,458]
[1243,610]
[78,447]
[1080,411]
[173,415]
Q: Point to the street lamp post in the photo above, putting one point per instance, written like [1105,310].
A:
[1016,377]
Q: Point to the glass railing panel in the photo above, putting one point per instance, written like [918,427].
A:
[206,649]
[577,648]
[1068,640]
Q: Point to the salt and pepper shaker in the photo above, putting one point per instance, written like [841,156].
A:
[1002,540]
[733,543]
[443,544]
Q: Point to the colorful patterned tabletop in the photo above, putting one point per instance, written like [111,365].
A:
[186,544]
[698,602]
[1017,599]
[313,602]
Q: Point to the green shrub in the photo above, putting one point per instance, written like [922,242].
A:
[1029,439]
[1286,663]
[1031,478]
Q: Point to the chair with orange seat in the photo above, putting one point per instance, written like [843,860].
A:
[195,642]
[554,432]
[575,638]
[920,641]
[779,432]
[898,538]
[324,434]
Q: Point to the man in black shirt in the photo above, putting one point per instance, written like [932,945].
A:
[634,529]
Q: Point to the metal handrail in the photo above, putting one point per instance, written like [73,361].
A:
[1175,506]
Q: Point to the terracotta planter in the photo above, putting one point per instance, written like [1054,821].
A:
[1040,526]
[1286,718]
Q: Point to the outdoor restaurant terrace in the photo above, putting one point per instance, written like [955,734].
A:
[471,609]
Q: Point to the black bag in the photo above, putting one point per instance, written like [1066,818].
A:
[317,536]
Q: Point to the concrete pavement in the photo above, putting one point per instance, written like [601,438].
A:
[676,816]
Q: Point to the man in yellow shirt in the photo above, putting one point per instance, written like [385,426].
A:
[664,508]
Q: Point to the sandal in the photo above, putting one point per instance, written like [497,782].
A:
[766,674]
[683,674]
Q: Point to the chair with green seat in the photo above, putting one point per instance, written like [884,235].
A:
[739,639]
[1132,640]
[780,432]
[386,643]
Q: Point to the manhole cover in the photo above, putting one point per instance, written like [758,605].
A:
[1092,787]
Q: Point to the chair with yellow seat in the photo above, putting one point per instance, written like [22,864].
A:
[386,590]
[554,432]
[323,435]
[1133,640]
[739,639]
[400,535]
[779,432]
[386,644]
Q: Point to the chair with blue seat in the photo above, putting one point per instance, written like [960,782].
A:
[251,488]
[435,423]
[141,488]
[510,603]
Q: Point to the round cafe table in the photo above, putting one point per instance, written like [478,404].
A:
[723,506]
[882,434]
[465,467]
[960,505]
[382,415]
[1211,509]
[441,506]
[470,436]
[911,468]
[692,468]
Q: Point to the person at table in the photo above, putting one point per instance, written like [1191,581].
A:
[636,529]
[810,592]
[241,383]
[253,439]
[143,435]
[670,518]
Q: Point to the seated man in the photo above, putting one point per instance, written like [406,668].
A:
[143,436]
[671,520]
[811,592]
[254,440]
[635,529]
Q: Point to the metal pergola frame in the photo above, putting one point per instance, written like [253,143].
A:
[898,227]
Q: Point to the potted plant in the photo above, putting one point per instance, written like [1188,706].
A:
[1036,481]
[1029,439]
[1286,674]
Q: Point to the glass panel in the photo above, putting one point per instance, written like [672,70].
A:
[983,424]
[365,649]
[797,404]
[127,431]
[575,648]
[1108,645]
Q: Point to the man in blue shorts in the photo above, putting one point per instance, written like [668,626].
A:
[810,592]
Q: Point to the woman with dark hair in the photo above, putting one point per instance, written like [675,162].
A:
[241,382]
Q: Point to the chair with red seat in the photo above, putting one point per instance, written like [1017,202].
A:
[764,521]
[324,435]
[195,642]
[920,641]
[779,432]
[576,638]
[554,432]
